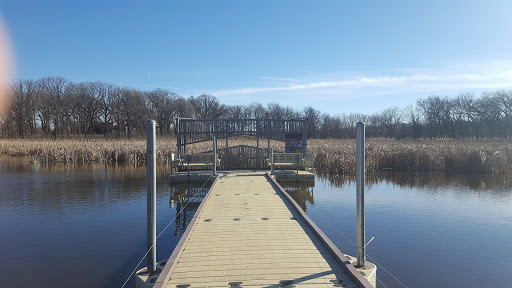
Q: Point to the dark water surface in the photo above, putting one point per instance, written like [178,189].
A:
[64,226]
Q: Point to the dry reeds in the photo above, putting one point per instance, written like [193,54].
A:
[332,156]
[83,151]
[448,156]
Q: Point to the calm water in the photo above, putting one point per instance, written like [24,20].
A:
[86,226]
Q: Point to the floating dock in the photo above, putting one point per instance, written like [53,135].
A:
[201,176]
[248,232]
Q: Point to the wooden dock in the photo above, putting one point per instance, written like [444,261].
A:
[248,232]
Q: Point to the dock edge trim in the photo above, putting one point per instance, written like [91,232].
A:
[165,275]
[349,269]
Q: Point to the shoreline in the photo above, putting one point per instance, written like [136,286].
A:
[332,156]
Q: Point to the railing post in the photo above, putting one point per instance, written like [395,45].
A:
[297,164]
[242,149]
[151,194]
[271,161]
[360,170]
[214,166]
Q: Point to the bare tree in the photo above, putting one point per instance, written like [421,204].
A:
[313,116]
[235,112]
[23,109]
[274,111]
[162,104]
[133,110]
[107,95]
[504,99]
[390,119]
[52,90]
[256,110]
[413,117]
[207,106]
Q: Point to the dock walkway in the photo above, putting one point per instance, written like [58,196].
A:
[248,231]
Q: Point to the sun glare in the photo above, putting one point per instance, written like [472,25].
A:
[5,67]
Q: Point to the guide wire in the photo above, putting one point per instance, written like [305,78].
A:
[381,282]
[169,224]
[341,233]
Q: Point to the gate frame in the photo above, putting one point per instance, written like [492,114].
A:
[191,131]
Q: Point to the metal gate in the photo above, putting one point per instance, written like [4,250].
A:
[191,131]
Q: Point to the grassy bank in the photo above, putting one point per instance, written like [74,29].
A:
[448,156]
[82,151]
[333,157]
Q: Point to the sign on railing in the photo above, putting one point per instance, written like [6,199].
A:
[293,143]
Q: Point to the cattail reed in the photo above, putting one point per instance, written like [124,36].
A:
[332,156]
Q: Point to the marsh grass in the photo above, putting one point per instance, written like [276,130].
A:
[441,155]
[332,156]
[83,151]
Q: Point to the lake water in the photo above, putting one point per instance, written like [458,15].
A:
[86,226]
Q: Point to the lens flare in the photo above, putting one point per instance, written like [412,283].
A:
[5,69]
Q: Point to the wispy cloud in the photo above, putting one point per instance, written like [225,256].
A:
[280,79]
[489,75]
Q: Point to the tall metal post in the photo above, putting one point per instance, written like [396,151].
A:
[271,161]
[151,194]
[214,166]
[184,137]
[257,143]
[269,127]
[360,170]
[178,138]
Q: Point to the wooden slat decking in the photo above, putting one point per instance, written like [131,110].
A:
[249,232]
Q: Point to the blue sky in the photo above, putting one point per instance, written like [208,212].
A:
[337,56]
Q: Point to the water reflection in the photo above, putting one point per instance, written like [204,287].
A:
[478,182]
[301,192]
[51,213]
[186,198]
[56,186]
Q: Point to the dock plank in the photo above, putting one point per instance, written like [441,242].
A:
[248,233]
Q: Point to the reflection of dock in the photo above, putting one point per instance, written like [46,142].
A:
[249,233]
[186,199]
[301,192]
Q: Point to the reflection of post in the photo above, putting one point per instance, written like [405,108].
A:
[178,217]
[151,194]
[360,193]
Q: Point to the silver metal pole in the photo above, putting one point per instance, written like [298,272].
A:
[178,137]
[272,161]
[360,170]
[151,194]
[305,138]
[214,166]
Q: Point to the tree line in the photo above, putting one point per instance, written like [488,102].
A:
[57,108]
